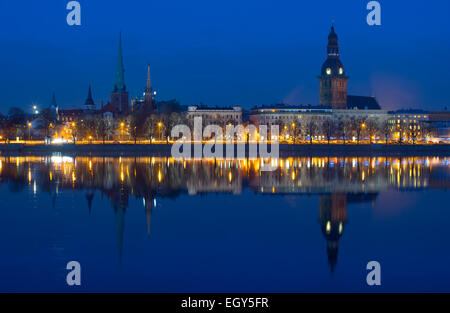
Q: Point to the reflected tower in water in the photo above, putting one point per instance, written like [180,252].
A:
[332,216]
[148,204]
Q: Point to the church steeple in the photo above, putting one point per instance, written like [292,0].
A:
[333,46]
[332,79]
[119,96]
[148,93]
[53,104]
[119,83]
[89,103]
[149,82]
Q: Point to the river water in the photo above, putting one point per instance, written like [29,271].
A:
[156,224]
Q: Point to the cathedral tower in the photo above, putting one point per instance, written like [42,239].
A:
[332,80]
[119,95]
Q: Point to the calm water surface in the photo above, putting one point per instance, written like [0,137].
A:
[163,225]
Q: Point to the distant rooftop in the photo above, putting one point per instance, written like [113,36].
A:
[362,103]
[283,106]
[214,108]
[409,111]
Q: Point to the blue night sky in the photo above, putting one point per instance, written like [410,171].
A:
[223,52]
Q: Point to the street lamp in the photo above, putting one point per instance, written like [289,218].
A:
[29,131]
[121,130]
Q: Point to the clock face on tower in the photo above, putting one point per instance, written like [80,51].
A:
[328,71]
[341,71]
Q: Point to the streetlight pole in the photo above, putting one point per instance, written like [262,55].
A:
[29,131]
[121,130]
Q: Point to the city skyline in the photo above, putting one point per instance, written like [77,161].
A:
[202,151]
[211,81]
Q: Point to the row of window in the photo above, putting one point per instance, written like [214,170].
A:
[413,116]
[205,116]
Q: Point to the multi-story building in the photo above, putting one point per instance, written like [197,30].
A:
[409,124]
[287,115]
[439,121]
[215,115]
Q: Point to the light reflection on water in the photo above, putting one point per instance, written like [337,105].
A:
[336,182]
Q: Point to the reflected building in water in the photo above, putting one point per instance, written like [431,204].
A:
[336,181]
[332,217]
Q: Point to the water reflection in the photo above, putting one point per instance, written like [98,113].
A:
[338,181]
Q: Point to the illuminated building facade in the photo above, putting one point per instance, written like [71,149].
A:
[409,124]
[215,115]
[286,114]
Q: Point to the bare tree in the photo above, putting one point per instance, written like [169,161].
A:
[151,127]
[385,128]
[174,119]
[311,129]
[358,126]
[87,127]
[427,129]
[280,124]
[371,128]
[344,129]
[8,130]
[74,128]
[329,129]
[296,130]
[133,124]
[104,128]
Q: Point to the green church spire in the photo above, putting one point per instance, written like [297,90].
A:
[53,104]
[119,83]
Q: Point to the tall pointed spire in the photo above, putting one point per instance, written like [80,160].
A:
[89,100]
[333,46]
[119,84]
[149,82]
[53,105]
[90,92]
[89,103]
[119,96]
[148,94]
